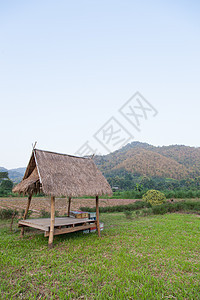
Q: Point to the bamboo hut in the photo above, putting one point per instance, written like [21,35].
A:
[57,175]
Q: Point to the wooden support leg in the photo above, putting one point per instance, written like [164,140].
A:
[25,214]
[97,216]
[69,206]
[52,222]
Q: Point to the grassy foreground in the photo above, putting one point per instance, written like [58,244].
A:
[155,257]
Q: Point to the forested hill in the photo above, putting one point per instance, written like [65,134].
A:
[15,175]
[142,159]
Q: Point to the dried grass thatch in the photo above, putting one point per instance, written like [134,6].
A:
[61,174]
[29,185]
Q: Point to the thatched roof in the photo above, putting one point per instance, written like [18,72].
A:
[60,174]
[29,185]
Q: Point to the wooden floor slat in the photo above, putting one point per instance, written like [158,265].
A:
[44,224]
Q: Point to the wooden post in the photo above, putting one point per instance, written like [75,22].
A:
[25,214]
[52,222]
[97,216]
[69,206]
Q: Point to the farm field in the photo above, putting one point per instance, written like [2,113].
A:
[37,204]
[155,257]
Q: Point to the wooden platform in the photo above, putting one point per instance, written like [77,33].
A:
[62,225]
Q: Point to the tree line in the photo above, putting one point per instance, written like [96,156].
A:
[6,184]
[126,181]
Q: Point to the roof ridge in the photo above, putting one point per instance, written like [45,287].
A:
[63,154]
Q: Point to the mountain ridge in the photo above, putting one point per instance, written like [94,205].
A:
[15,175]
[142,159]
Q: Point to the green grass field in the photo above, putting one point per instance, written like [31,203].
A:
[156,257]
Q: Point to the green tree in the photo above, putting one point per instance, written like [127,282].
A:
[154,197]
[3,175]
[138,187]
[6,185]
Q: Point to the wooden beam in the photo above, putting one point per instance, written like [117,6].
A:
[26,213]
[97,215]
[23,223]
[69,206]
[51,233]
[70,229]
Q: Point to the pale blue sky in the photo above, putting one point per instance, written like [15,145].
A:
[66,67]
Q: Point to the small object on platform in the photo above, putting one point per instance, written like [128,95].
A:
[101,226]
[94,229]
[79,214]
[92,216]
